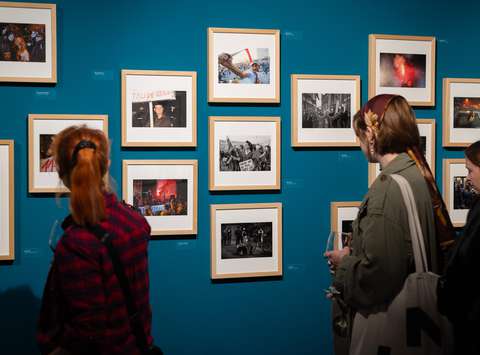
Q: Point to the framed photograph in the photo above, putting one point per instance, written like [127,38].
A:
[402,65]
[243,65]
[426,128]
[342,215]
[458,193]
[165,192]
[461,112]
[323,107]
[42,129]
[7,197]
[244,153]
[159,108]
[28,50]
[246,240]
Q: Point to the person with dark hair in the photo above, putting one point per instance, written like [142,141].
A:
[458,292]
[369,273]
[87,305]
[160,117]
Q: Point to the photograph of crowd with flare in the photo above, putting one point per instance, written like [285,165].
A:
[47,163]
[403,70]
[466,111]
[160,197]
[160,108]
[326,110]
[463,193]
[245,153]
[246,66]
[246,240]
[20,42]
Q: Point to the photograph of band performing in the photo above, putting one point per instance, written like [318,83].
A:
[245,154]
[246,240]
[161,197]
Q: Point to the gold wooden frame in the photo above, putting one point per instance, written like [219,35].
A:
[212,75]
[211,156]
[430,121]
[193,163]
[53,11]
[372,64]
[11,200]
[192,75]
[446,186]
[31,149]
[334,207]
[294,102]
[246,206]
[447,114]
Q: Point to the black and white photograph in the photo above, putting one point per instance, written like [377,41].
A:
[243,65]
[463,193]
[245,153]
[164,109]
[322,110]
[160,197]
[326,110]
[402,70]
[466,111]
[159,108]
[342,215]
[7,200]
[246,240]
[22,42]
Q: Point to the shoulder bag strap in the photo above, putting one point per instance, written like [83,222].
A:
[416,235]
[105,238]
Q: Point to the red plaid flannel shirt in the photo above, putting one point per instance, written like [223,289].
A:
[87,296]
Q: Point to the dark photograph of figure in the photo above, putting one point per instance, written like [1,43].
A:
[47,163]
[21,42]
[466,112]
[161,113]
[463,193]
[326,110]
[246,240]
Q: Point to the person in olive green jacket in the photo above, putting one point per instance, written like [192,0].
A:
[371,271]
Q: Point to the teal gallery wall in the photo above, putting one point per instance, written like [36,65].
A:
[192,314]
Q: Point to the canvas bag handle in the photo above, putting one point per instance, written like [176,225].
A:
[416,235]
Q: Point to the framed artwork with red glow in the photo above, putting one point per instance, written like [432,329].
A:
[461,111]
[402,65]
[164,192]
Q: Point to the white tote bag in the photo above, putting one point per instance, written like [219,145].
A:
[412,323]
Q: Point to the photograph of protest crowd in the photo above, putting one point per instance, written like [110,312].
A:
[403,70]
[466,111]
[326,110]
[21,42]
[463,193]
[245,66]
[162,108]
[245,153]
[246,240]
[47,163]
[160,197]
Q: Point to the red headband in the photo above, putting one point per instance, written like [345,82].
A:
[374,110]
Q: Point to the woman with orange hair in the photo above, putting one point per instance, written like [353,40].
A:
[96,300]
